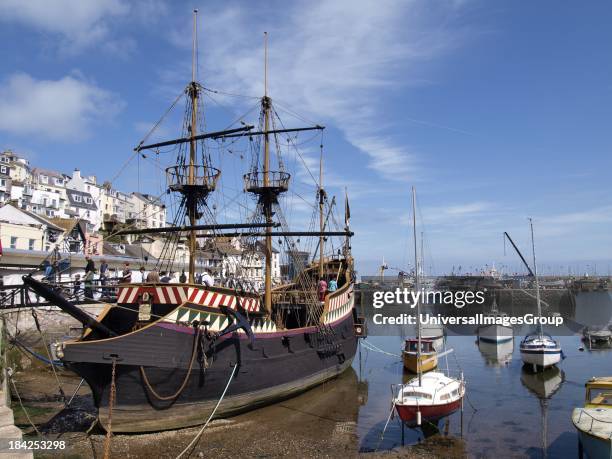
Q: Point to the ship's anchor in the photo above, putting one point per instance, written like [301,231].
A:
[240,322]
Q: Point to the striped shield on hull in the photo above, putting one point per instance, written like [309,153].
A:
[216,299]
[170,294]
[163,295]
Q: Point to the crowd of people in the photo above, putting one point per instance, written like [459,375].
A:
[86,285]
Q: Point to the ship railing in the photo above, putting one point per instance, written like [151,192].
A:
[255,182]
[181,176]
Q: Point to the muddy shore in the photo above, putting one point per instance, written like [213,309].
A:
[319,423]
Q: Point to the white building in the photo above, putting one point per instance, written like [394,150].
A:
[82,205]
[147,211]
[91,190]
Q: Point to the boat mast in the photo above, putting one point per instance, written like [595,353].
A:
[416,284]
[535,274]
[321,222]
[192,203]
[266,181]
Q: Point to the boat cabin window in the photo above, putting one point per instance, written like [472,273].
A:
[599,396]
[413,393]
[413,346]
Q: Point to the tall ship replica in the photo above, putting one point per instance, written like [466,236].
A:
[162,356]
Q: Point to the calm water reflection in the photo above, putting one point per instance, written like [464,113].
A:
[517,413]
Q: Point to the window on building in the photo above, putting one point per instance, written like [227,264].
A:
[3,169]
[2,182]
[59,181]
[13,242]
[31,243]
[44,179]
[76,198]
[87,200]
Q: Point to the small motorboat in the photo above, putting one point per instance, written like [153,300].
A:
[495,333]
[594,421]
[429,398]
[540,350]
[415,361]
[597,335]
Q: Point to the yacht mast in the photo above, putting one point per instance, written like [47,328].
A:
[416,284]
[535,274]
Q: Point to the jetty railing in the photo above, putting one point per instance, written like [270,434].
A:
[20,295]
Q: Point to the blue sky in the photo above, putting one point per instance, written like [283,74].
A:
[495,111]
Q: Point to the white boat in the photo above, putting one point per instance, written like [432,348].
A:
[429,398]
[594,421]
[495,333]
[539,350]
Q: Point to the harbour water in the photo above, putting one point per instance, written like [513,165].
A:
[509,411]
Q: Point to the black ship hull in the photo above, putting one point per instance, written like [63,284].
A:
[152,364]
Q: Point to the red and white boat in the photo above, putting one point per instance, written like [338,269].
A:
[429,398]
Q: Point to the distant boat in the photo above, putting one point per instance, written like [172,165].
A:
[594,421]
[495,333]
[415,361]
[539,349]
[597,335]
[431,396]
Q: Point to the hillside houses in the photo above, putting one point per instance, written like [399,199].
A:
[43,209]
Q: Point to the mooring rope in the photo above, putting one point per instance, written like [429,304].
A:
[196,438]
[372,347]
[180,389]
[111,401]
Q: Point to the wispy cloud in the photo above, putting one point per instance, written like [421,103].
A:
[79,25]
[335,60]
[61,109]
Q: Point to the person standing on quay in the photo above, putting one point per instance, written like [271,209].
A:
[103,277]
[89,278]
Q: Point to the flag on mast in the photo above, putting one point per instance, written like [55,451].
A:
[347,210]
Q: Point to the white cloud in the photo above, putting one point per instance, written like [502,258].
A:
[61,109]
[81,24]
[334,61]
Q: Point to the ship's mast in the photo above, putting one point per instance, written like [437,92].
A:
[191,202]
[321,222]
[266,181]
